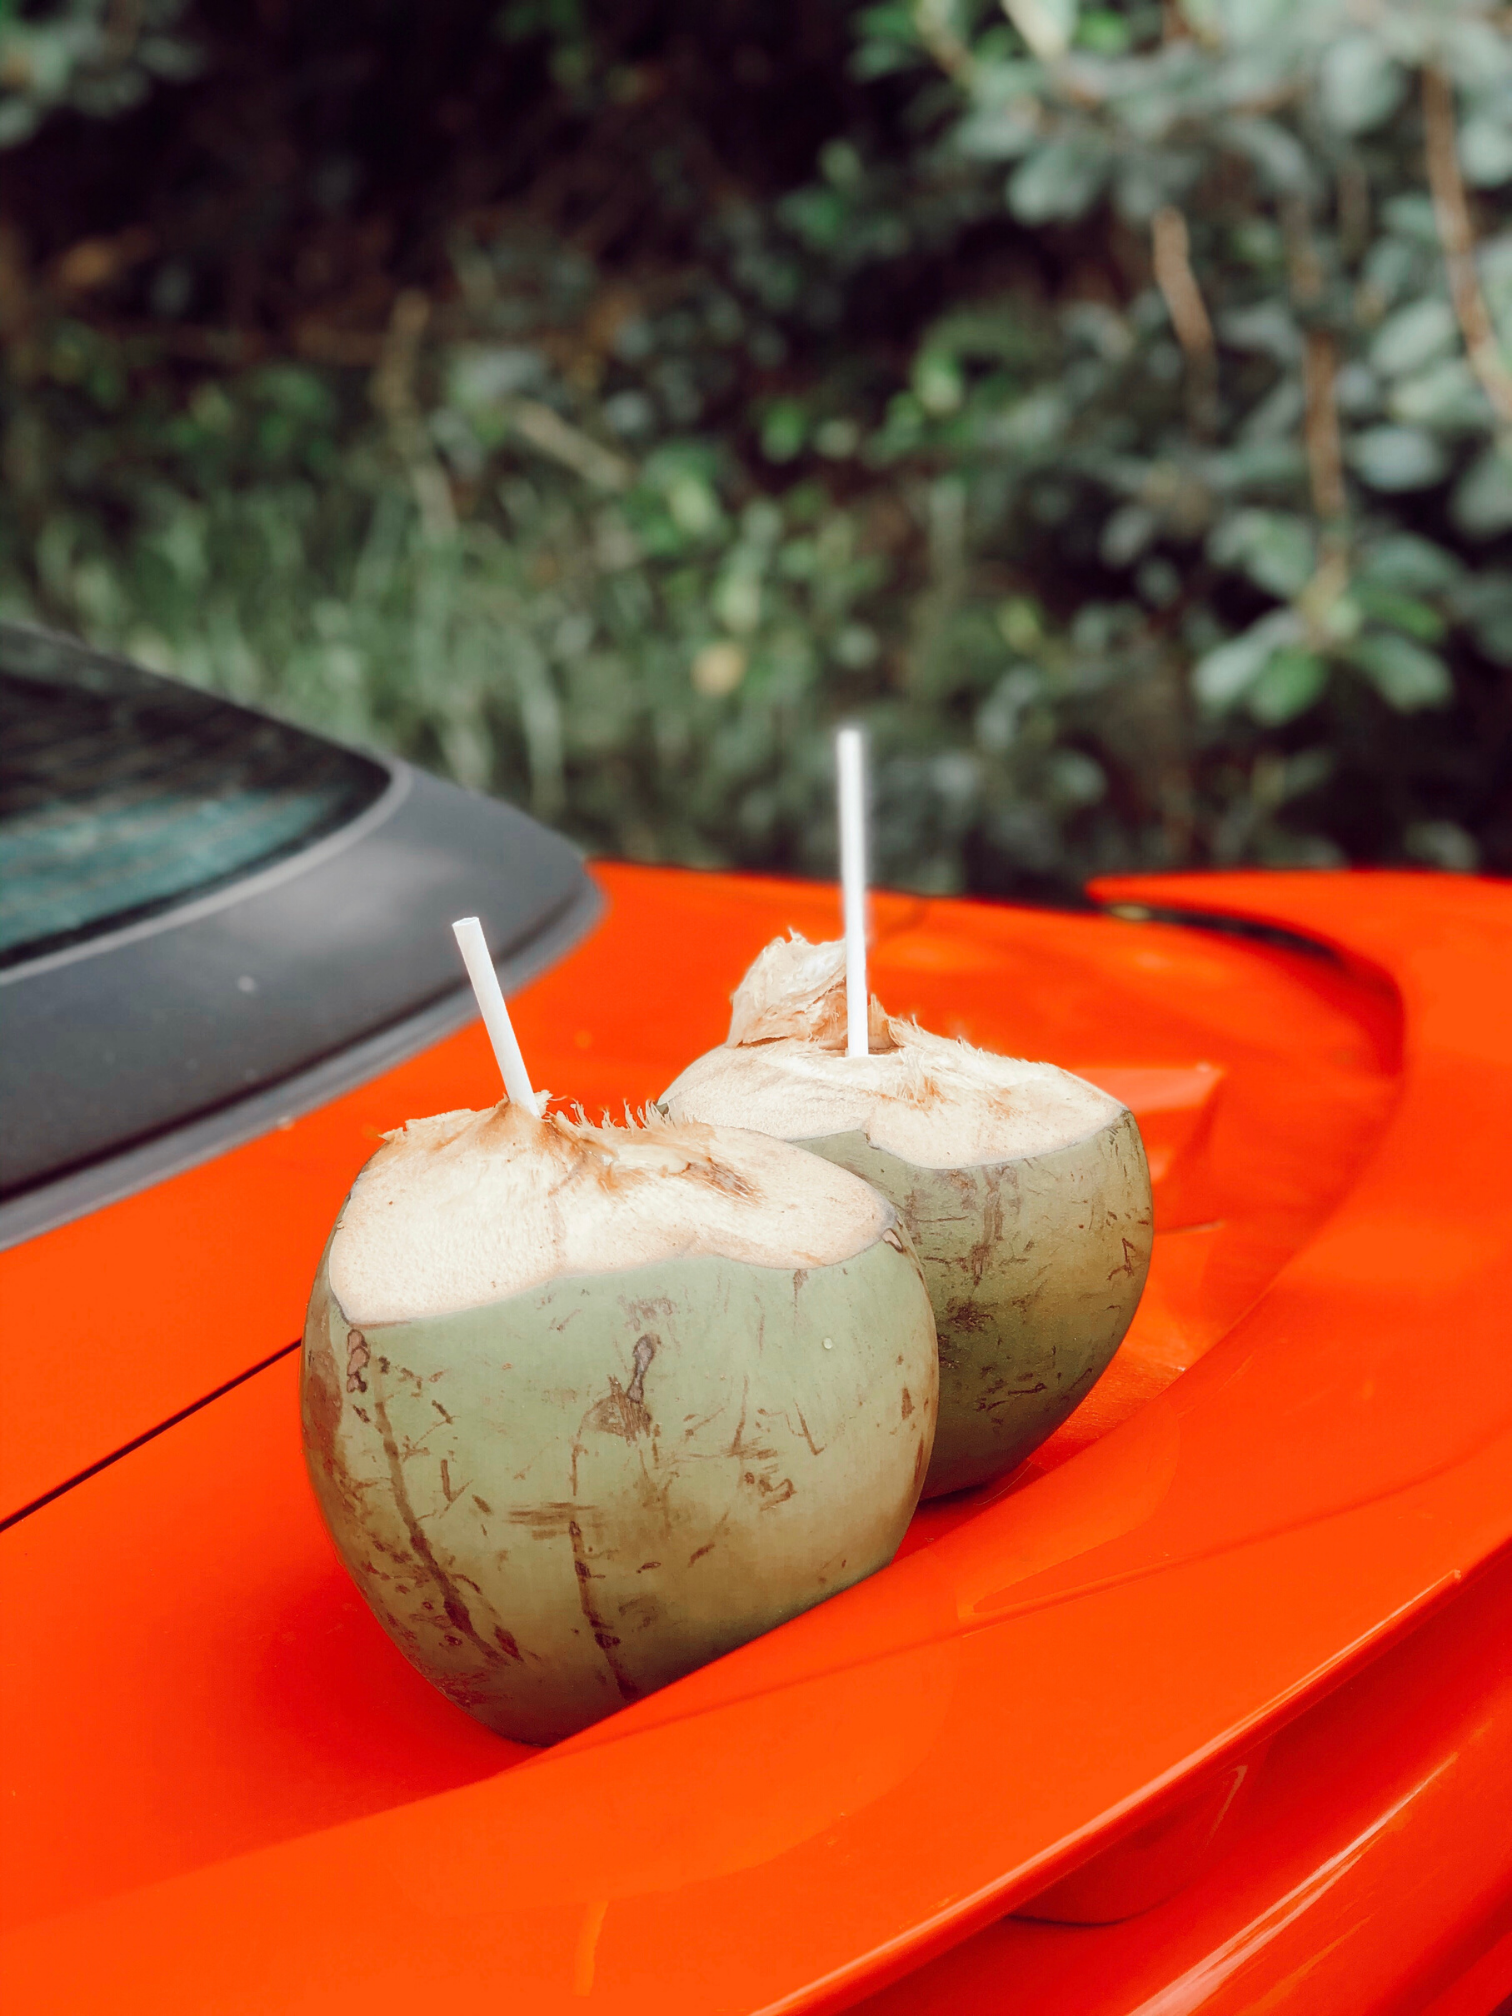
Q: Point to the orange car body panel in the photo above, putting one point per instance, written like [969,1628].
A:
[1216,1679]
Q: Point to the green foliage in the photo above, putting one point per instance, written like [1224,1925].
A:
[1094,419]
[85,55]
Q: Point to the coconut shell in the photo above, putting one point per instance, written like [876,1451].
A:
[1035,1268]
[559,1502]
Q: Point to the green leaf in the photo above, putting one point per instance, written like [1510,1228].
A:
[166,57]
[692,505]
[841,165]
[1225,676]
[1268,327]
[1291,682]
[1482,502]
[820,216]
[1399,611]
[1278,154]
[1103,31]
[1413,565]
[784,429]
[1405,675]
[1029,427]
[856,646]
[1442,844]
[1074,778]
[999,132]
[1483,600]
[1126,534]
[1048,26]
[1414,336]
[1266,466]
[1398,458]
[1447,397]
[479,375]
[298,391]
[1474,48]
[885,55]
[1060,180]
[1306,771]
[1410,216]
[1241,21]
[1485,152]
[1278,550]
[1391,269]
[18,120]
[937,382]
[1359,84]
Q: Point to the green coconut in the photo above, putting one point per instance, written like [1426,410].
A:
[586,1407]
[1024,1190]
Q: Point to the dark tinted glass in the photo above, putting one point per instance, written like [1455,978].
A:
[122,794]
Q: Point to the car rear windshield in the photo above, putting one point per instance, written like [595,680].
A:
[122,794]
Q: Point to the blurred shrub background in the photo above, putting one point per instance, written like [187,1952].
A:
[596,399]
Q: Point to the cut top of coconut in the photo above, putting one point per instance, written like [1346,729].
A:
[793,988]
[463,1209]
[933,1101]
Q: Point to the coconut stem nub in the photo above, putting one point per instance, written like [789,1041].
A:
[851,762]
[485,985]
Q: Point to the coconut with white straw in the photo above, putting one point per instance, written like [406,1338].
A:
[1024,1189]
[587,1406]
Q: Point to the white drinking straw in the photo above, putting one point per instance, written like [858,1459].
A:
[485,984]
[851,757]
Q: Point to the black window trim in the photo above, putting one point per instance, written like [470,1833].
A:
[278,1106]
[143,1049]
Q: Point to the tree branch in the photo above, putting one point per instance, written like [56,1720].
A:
[393,393]
[1171,257]
[1178,283]
[1457,237]
[1325,458]
[935,29]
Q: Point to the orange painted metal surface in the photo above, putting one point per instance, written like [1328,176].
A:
[233,1794]
[1369,1869]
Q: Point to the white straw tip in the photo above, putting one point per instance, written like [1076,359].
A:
[851,763]
[485,985]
